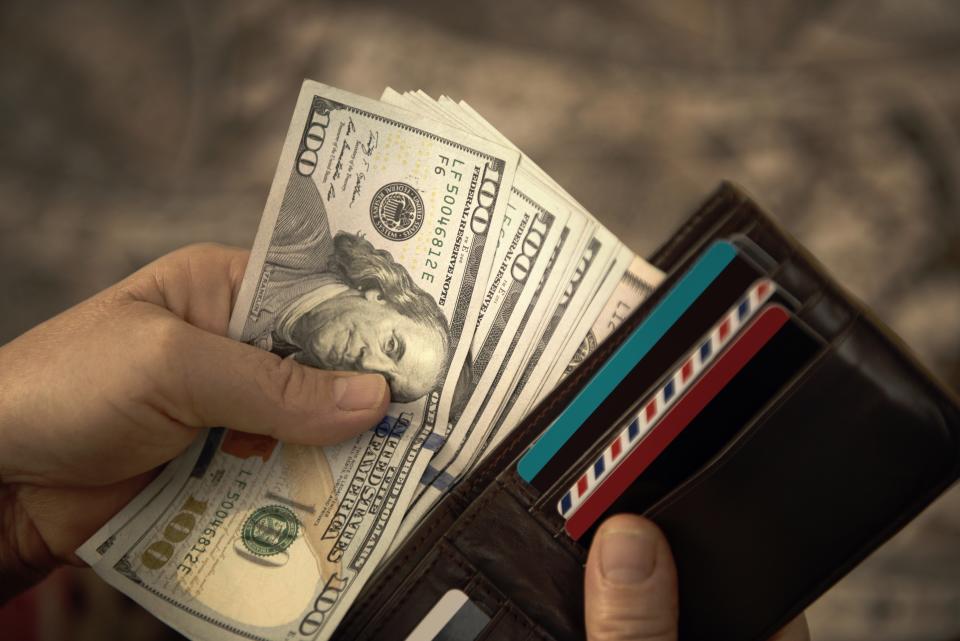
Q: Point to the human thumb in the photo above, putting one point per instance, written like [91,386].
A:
[631,583]
[223,382]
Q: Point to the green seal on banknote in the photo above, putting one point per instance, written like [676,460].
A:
[396,211]
[270,530]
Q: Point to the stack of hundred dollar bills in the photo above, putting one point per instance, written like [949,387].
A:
[405,236]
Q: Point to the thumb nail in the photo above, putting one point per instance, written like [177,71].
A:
[360,392]
[627,555]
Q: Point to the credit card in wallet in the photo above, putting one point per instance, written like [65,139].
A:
[697,299]
[686,373]
[755,366]
[454,618]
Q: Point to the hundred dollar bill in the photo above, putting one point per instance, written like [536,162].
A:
[528,366]
[468,113]
[379,227]
[520,368]
[535,233]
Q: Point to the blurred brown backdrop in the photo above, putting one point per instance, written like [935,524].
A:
[131,128]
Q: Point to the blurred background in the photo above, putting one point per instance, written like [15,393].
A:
[128,129]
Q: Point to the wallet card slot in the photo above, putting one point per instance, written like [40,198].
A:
[815,301]
[442,569]
[546,503]
[741,434]
[512,548]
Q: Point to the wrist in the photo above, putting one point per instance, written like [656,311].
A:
[24,556]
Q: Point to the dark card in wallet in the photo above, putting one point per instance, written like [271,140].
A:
[764,419]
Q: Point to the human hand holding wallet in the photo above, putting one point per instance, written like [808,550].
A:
[774,430]
[630,586]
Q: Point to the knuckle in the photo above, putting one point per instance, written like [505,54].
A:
[158,343]
[154,352]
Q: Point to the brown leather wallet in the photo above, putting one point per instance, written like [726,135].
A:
[842,456]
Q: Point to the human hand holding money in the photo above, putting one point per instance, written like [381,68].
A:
[95,399]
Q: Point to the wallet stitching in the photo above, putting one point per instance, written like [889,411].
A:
[518,615]
[510,610]
[727,192]
[484,587]
[487,633]
[713,233]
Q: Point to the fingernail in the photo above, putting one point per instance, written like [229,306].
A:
[360,392]
[627,555]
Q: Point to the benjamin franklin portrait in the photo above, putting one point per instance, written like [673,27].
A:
[338,303]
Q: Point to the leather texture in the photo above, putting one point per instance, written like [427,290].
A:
[850,449]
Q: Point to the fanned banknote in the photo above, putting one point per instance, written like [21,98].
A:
[408,237]
[379,228]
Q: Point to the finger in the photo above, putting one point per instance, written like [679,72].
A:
[796,630]
[631,583]
[216,381]
[206,283]
[198,283]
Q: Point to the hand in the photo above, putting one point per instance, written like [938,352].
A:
[93,400]
[631,586]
